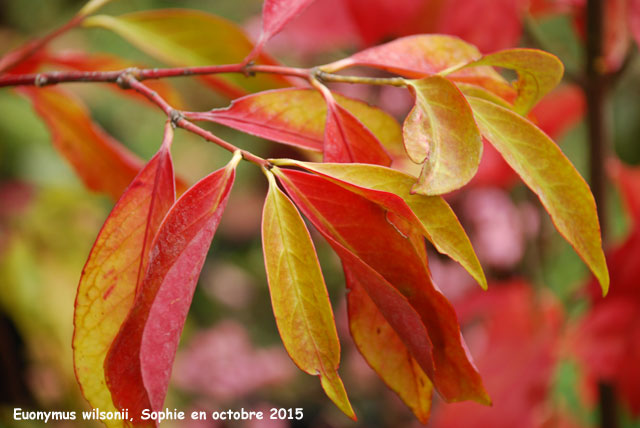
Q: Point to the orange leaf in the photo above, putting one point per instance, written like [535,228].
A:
[103,164]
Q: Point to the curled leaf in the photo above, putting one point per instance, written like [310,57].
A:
[538,73]
[548,173]
[138,364]
[299,295]
[440,133]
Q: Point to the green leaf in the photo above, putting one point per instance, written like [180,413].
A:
[183,37]
[299,296]
[437,221]
[441,133]
[538,73]
[544,168]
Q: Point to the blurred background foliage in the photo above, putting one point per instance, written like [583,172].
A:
[231,356]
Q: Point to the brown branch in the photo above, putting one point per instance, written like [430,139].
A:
[129,81]
[596,89]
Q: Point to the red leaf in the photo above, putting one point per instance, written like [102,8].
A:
[634,19]
[139,362]
[516,343]
[346,139]
[608,337]
[115,268]
[386,255]
[385,352]
[276,14]
[103,164]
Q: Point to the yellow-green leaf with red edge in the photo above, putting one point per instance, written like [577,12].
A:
[440,133]
[436,220]
[114,270]
[299,296]
[138,365]
[545,169]
[297,117]
[385,253]
[103,164]
[385,352]
[538,73]
[425,55]
[182,37]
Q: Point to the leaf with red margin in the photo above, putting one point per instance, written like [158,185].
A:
[297,117]
[515,335]
[431,215]
[385,352]
[346,139]
[299,296]
[139,361]
[550,175]
[538,73]
[103,164]
[183,37]
[114,270]
[441,134]
[425,55]
[389,258]
[275,15]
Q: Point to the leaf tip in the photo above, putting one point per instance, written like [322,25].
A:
[334,388]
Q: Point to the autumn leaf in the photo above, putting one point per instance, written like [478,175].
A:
[425,55]
[297,117]
[549,174]
[114,270]
[299,297]
[275,15]
[175,36]
[139,361]
[346,139]
[386,255]
[385,352]
[103,164]
[538,73]
[432,215]
[440,133]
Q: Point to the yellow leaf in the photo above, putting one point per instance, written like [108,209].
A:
[544,168]
[299,297]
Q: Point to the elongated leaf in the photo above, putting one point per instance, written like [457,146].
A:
[385,352]
[346,139]
[297,117]
[439,223]
[441,133]
[425,55]
[139,361]
[91,6]
[183,37]
[113,271]
[275,15]
[543,167]
[103,164]
[538,73]
[388,258]
[299,295]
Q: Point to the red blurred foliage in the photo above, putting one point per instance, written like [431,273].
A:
[608,336]
[515,348]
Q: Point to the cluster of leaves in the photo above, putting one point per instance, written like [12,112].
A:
[139,279]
